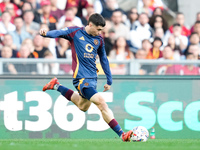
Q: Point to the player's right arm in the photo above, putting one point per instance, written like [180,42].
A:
[66,33]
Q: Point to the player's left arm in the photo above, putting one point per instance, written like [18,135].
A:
[52,33]
[65,33]
[105,65]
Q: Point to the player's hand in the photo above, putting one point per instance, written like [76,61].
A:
[106,87]
[43,32]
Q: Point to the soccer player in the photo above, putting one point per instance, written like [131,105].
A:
[86,43]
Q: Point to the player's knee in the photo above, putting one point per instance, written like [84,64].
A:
[83,108]
[102,105]
[99,102]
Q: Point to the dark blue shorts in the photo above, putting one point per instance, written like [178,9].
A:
[86,87]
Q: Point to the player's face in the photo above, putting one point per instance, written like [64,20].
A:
[95,30]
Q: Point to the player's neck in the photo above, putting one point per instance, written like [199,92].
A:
[87,30]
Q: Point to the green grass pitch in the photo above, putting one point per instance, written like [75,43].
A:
[99,144]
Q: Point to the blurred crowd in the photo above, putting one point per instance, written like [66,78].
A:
[143,32]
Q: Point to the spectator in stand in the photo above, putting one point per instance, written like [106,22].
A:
[10,9]
[46,48]
[180,19]
[26,51]
[109,8]
[30,45]
[5,24]
[63,50]
[48,68]
[19,34]
[108,34]
[25,68]
[55,11]
[167,55]
[158,11]
[99,5]
[29,25]
[141,55]
[8,41]
[142,31]
[50,43]
[18,3]
[145,8]
[118,26]
[194,39]
[34,4]
[8,68]
[28,6]
[158,32]
[39,48]
[180,40]
[158,22]
[6,5]
[108,26]
[109,41]
[197,19]
[90,10]
[69,15]
[120,52]
[176,48]
[155,52]
[46,16]
[197,28]
[132,18]
[77,6]
[68,23]
[190,69]
[146,45]
[194,49]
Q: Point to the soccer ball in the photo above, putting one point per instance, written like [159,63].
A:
[140,134]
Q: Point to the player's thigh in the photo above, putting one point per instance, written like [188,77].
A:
[84,103]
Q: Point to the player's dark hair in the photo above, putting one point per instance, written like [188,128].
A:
[97,20]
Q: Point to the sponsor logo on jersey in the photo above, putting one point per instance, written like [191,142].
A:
[89,48]
[82,38]
[88,55]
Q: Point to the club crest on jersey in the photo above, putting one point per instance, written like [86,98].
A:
[86,84]
[96,42]
[89,48]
